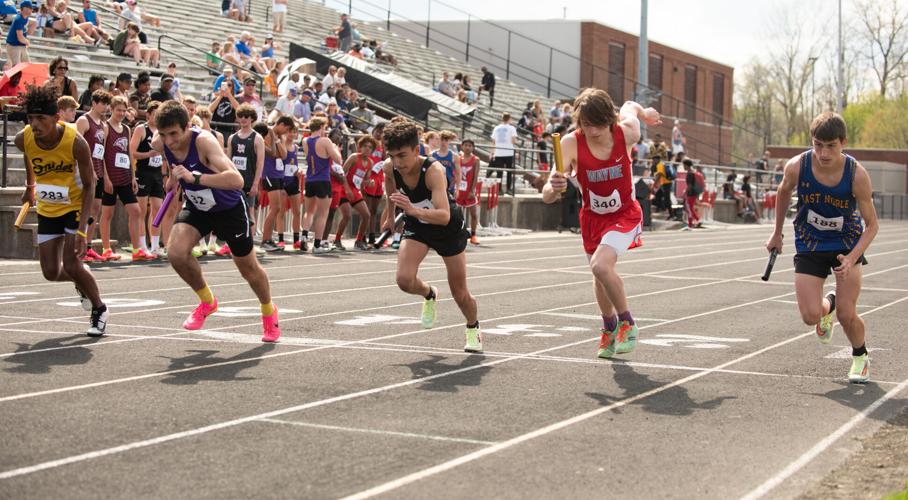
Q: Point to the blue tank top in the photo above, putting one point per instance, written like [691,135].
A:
[827,220]
[446,161]
[202,198]
[290,165]
[318,169]
[269,52]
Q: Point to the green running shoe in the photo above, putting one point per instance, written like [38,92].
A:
[626,338]
[607,343]
[474,340]
[428,311]
[860,369]
[197,252]
[826,324]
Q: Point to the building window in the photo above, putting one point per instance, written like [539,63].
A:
[616,71]
[690,92]
[655,80]
[718,97]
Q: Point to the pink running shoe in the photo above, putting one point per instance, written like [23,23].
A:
[196,320]
[270,327]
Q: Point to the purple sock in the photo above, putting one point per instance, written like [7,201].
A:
[610,322]
[626,316]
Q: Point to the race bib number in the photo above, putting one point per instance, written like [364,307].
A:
[462,186]
[121,160]
[378,166]
[337,168]
[155,161]
[358,179]
[290,169]
[202,199]
[50,193]
[426,205]
[279,164]
[823,223]
[239,162]
[98,152]
[605,204]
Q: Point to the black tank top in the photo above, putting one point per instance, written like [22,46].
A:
[242,153]
[153,163]
[421,197]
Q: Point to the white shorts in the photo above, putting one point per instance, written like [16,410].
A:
[619,241]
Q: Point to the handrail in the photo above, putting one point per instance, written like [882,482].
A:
[237,68]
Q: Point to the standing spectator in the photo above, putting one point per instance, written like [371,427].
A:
[444,86]
[505,137]
[678,139]
[251,97]
[95,82]
[162,93]
[16,39]
[139,99]
[284,105]
[279,9]
[778,171]
[223,109]
[642,149]
[363,116]
[62,84]
[122,86]
[175,93]
[750,198]
[658,149]
[227,77]
[302,109]
[270,83]
[543,147]
[212,57]
[344,33]
[488,84]
[695,186]
[763,166]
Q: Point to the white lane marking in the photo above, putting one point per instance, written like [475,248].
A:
[821,446]
[845,352]
[230,423]
[596,317]
[377,431]
[118,303]
[470,457]
[243,312]
[795,302]
[369,319]
[691,341]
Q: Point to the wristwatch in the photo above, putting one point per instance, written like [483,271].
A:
[198,178]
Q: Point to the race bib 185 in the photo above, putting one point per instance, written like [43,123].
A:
[823,223]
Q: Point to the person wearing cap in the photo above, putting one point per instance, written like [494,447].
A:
[227,76]
[344,33]
[250,96]
[162,93]
[302,108]
[362,116]
[267,53]
[17,38]
[175,88]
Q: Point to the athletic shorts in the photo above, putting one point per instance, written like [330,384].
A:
[465,199]
[291,186]
[50,228]
[318,189]
[124,193]
[99,189]
[337,192]
[151,183]
[270,184]
[820,264]
[231,225]
[447,241]
[357,196]
[621,232]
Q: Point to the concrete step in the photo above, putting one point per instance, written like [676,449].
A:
[9,213]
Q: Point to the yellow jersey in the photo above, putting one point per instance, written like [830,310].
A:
[59,185]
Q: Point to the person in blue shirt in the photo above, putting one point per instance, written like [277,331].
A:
[228,74]
[89,15]
[17,39]
[835,223]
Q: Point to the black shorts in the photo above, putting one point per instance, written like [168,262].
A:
[123,192]
[447,241]
[291,186]
[318,189]
[151,183]
[272,184]
[99,189]
[820,264]
[50,228]
[231,225]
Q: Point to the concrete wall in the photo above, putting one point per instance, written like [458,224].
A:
[489,47]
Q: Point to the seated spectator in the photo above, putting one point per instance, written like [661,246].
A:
[62,84]
[284,105]
[341,78]
[12,92]
[60,21]
[457,83]
[302,109]
[90,16]
[267,54]
[246,53]
[363,117]
[122,85]
[462,96]
[135,48]
[343,102]
[729,192]
[229,54]
[162,93]
[444,86]
[237,11]
[67,107]
[133,13]
[227,75]
[175,92]
[749,198]
[381,54]
[367,52]
[328,80]
[335,117]
[212,57]
[468,88]
[95,82]
[225,7]
[271,83]
[355,52]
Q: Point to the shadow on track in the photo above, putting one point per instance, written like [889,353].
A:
[434,366]
[42,362]
[673,401]
[221,373]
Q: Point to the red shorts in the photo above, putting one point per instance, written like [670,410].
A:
[466,199]
[357,196]
[625,229]
[337,192]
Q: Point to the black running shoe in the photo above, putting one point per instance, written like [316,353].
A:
[98,322]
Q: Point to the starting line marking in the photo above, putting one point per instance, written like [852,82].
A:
[377,431]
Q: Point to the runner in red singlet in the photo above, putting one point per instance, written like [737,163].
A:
[598,154]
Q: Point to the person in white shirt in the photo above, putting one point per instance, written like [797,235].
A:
[329,79]
[505,137]
[284,105]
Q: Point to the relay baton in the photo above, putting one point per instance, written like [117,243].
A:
[556,150]
[163,209]
[22,213]
[771,262]
[387,234]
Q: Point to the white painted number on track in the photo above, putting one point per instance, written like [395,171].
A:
[118,303]
[5,296]
[693,341]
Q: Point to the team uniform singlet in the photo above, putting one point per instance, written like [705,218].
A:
[827,220]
